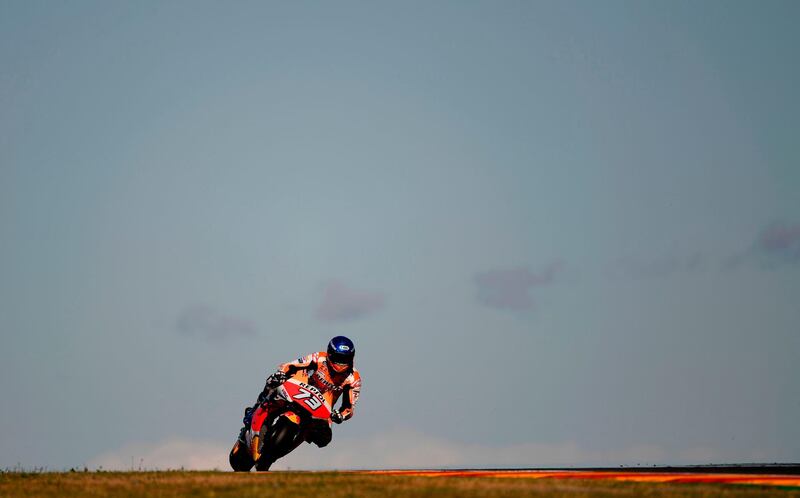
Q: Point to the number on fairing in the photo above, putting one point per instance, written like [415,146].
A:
[312,402]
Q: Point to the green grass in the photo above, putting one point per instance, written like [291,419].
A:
[336,485]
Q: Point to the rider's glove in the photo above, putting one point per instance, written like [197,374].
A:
[336,417]
[276,379]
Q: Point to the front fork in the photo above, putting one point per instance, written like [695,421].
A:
[260,433]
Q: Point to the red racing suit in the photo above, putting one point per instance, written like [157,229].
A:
[333,385]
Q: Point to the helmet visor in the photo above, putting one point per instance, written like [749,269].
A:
[340,362]
[338,367]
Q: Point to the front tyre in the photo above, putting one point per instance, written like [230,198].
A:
[239,458]
[280,444]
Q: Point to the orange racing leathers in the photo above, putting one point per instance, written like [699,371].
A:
[313,369]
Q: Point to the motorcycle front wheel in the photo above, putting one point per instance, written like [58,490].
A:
[280,444]
[239,458]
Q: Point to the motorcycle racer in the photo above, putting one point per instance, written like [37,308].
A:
[332,372]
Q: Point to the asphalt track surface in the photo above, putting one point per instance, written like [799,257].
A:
[763,475]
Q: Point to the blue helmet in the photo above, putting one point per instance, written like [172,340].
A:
[341,350]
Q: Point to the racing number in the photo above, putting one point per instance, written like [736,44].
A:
[310,400]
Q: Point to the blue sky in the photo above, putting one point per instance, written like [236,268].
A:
[558,232]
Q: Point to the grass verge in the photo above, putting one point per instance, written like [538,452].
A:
[344,485]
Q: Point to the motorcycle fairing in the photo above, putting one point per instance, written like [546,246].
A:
[291,394]
[307,396]
[259,416]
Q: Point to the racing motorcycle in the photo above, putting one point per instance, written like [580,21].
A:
[292,412]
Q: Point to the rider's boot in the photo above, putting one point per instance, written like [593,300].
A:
[248,417]
[249,410]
